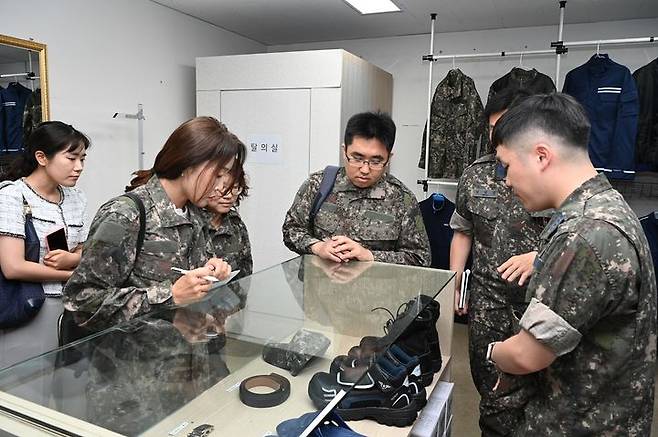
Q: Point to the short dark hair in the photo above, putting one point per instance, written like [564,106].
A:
[504,100]
[555,114]
[370,125]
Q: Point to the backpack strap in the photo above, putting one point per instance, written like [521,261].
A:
[327,184]
[142,221]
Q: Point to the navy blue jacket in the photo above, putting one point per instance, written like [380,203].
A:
[646,148]
[14,98]
[608,93]
[3,135]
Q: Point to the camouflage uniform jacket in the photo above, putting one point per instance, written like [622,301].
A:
[230,242]
[488,211]
[141,373]
[384,218]
[111,282]
[594,305]
[458,129]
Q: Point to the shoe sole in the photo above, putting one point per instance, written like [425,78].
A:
[386,416]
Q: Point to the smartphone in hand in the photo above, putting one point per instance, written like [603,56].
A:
[57,240]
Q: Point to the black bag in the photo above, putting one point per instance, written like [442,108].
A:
[326,185]
[68,330]
[20,301]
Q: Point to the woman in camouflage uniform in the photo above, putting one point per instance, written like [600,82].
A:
[227,231]
[113,282]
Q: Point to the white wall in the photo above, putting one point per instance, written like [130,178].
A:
[401,56]
[107,56]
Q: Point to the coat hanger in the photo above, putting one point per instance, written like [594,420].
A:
[598,49]
[438,200]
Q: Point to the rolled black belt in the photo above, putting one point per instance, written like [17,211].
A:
[276,382]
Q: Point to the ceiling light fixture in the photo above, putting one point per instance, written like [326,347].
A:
[373,6]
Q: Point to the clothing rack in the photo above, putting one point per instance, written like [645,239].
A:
[558,48]
[29,76]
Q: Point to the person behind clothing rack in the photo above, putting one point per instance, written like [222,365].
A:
[369,214]
[227,232]
[113,282]
[490,222]
[45,175]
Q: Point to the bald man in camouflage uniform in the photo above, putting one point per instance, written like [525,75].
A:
[369,215]
[493,223]
[589,331]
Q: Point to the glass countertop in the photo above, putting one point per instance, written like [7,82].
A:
[180,367]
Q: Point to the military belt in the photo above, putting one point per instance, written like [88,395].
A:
[276,382]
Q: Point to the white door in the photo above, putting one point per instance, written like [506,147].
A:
[274,125]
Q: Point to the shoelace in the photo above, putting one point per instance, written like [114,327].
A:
[393,319]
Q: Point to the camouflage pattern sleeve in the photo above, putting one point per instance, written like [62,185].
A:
[245,262]
[571,292]
[462,219]
[95,290]
[413,246]
[297,229]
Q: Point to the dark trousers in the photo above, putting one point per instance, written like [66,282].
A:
[491,319]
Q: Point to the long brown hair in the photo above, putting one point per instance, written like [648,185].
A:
[199,140]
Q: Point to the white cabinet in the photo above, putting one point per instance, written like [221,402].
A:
[290,109]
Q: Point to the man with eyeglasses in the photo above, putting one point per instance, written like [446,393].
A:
[369,215]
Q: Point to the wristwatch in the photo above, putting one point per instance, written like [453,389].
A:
[489,356]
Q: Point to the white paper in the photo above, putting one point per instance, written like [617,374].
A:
[265,149]
[225,281]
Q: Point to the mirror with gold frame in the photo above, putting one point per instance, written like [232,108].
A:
[24,99]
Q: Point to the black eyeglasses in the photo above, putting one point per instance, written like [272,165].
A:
[235,190]
[375,163]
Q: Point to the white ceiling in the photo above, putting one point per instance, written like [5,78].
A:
[272,22]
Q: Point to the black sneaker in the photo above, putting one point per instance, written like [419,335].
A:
[394,360]
[378,395]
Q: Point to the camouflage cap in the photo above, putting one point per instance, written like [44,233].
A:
[294,356]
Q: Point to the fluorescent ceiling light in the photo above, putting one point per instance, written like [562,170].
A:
[373,6]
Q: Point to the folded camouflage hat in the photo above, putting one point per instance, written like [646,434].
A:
[294,356]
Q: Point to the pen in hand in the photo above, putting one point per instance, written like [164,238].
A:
[184,272]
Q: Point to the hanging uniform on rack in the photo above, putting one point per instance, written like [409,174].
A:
[436,211]
[3,134]
[32,113]
[458,131]
[646,146]
[607,91]
[14,98]
[531,81]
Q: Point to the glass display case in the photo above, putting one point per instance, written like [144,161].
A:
[173,370]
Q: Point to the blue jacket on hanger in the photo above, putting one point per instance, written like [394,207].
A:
[14,98]
[2,123]
[608,93]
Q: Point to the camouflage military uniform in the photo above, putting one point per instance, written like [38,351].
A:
[500,228]
[458,129]
[594,305]
[145,371]
[110,283]
[231,242]
[384,218]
